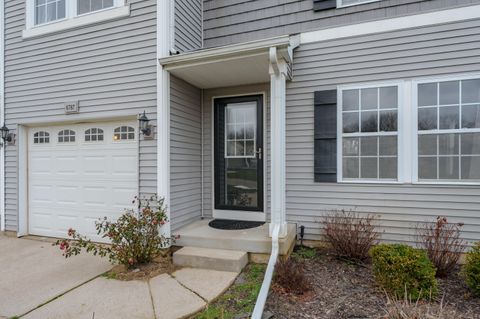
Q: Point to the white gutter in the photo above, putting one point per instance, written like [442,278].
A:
[263,294]
[2,113]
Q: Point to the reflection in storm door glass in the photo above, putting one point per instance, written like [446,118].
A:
[240,156]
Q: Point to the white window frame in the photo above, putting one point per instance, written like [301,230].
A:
[414,120]
[401,111]
[341,5]
[72,19]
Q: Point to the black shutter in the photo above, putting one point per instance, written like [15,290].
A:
[319,5]
[326,136]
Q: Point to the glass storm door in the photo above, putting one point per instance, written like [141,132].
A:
[238,139]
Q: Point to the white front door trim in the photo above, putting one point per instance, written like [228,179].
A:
[241,214]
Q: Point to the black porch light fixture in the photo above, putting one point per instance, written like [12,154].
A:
[6,136]
[145,128]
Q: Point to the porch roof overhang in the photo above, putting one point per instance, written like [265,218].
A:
[231,65]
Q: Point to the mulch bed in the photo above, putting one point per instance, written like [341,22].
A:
[346,290]
[160,265]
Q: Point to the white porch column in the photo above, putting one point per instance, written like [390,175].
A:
[278,75]
[164,44]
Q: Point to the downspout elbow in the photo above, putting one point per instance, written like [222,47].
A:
[267,280]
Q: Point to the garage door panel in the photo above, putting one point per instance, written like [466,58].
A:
[67,195]
[66,165]
[121,198]
[73,185]
[95,165]
[41,165]
[96,196]
[42,194]
[124,165]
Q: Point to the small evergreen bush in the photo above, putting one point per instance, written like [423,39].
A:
[471,269]
[401,269]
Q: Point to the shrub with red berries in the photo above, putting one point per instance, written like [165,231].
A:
[135,237]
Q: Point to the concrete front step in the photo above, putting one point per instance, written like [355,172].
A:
[214,259]
[254,240]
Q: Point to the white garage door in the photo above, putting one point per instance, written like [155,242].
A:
[78,174]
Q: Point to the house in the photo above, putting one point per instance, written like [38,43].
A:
[265,110]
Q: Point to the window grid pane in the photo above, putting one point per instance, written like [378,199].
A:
[94,135]
[124,133]
[370,120]
[451,111]
[41,138]
[49,10]
[86,6]
[240,130]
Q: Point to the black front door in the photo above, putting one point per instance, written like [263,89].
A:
[238,143]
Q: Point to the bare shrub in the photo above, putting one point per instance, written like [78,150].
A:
[407,309]
[350,234]
[290,276]
[442,242]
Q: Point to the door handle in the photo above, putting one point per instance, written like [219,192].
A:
[259,153]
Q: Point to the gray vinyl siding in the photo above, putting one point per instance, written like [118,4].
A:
[208,96]
[110,68]
[185,153]
[232,21]
[406,54]
[188,25]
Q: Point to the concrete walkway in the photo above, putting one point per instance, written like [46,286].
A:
[33,273]
[181,295]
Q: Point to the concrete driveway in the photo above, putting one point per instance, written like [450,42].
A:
[36,282]
[34,272]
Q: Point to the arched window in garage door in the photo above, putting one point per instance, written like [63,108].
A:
[94,135]
[66,136]
[124,133]
[41,137]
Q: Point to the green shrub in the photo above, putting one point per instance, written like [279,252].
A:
[401,268]
[471,269]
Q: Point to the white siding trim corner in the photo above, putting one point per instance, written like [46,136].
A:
[386,25]
[22,149]
[2,113]
[164,44]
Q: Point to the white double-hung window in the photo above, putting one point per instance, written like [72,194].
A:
[49,10]
[448,120]
[368,133]
[46,16]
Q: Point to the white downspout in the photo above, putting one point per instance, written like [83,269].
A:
[277,219]
[263,294]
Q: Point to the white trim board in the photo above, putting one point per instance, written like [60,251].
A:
[2,114]
[385,25]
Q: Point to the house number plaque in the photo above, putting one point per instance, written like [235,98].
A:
[71,107]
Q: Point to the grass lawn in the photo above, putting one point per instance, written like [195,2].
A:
[238,301]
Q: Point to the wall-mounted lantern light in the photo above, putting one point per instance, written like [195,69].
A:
[145,128]
[7,137]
